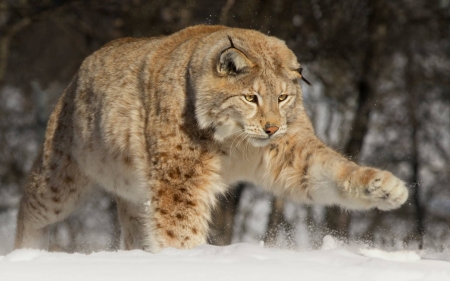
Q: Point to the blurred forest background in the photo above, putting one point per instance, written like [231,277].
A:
[380,73]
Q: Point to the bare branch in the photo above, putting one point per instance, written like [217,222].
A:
[5,40]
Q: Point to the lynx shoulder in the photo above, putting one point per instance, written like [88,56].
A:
[165,124]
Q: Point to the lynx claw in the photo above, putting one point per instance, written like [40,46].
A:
[385,191]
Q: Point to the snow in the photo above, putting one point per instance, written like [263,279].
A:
[236,262]
[395,256]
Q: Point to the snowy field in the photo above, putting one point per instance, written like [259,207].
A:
[235,262]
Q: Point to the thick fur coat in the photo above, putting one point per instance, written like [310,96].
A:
[168,123]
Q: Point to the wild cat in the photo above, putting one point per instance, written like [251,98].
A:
[168,123]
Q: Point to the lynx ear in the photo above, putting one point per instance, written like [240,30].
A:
[232,61]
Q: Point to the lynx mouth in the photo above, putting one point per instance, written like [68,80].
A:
[259,141]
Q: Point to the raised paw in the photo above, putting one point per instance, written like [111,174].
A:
[381,188]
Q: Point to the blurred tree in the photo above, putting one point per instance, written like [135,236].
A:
[338,220]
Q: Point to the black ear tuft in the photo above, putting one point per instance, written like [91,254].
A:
[300,70]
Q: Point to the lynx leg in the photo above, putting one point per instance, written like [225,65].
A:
[28,236]
[51,194]
[179,217]
[375,188]
[132,223]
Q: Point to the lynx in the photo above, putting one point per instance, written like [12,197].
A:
[166,124]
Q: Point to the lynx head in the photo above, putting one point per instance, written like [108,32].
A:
[246,84]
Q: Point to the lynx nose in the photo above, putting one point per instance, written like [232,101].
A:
[271,130]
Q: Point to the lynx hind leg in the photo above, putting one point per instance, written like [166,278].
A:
[378,188]
[51,194]
[28,236]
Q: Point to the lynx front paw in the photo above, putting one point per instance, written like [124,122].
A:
[382,189]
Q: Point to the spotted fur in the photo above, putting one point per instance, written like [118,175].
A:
[165,124]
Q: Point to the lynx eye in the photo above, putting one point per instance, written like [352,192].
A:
[251,98]
[282,97]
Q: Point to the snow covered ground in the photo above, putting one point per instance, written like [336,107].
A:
[235,262]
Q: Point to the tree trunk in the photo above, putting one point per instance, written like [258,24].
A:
[419,210]
[337,220]
[115,225]
[276,220]
[315,230]
[221,227]
[414,123]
